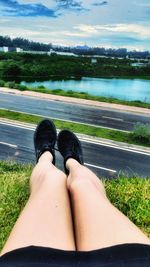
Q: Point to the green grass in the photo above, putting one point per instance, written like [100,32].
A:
[70,93]
[77,127]
[130,195]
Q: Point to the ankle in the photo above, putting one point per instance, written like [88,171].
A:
[46,156]
[72,163]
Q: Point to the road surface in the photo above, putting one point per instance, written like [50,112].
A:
[73,112]
[106,161]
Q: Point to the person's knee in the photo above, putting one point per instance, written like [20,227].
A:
[83,179]
[45,175]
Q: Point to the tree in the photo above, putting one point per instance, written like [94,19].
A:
[11,69]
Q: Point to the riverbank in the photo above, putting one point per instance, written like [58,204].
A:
[74,94]
[81,101]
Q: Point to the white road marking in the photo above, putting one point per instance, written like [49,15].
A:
[7,144]
[76,122]
[116,147]
[55,109]
[6,100]
[98,167]
[111,118]
[18,126]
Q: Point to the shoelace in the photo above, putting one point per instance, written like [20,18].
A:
[56,149]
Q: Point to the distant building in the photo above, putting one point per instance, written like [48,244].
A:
[93,60]
[10,49]
[82,47]
[4,49]
[62,53]
[36,52]
[139,64]
[19,50]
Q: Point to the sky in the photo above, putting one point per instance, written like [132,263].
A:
[97,23]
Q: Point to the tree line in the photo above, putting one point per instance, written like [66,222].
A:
[24,44]
[36,46]
[35,66]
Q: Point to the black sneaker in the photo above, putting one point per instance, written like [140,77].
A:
[45,138]
[69,147]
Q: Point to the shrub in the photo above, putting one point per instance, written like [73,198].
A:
[10,84]
[141,132]
[2,83]
[41,87]
[57,91]
[22,87]
[70,92]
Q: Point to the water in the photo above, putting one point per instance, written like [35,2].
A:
[125,89]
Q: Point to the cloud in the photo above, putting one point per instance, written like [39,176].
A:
[14,8]
[47,8]
[70,5]
[143,3]
[109,23]
[102,3]
[141,31]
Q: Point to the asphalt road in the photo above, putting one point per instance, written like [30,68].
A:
[106,161]
[73,112]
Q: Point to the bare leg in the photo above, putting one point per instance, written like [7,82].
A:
[98,223]
[46,219]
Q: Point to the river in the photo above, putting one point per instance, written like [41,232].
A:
[125,89]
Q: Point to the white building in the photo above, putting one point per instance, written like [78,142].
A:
[36,52]
[62,53]
[19,50]
[93,60]
[138,64]
[10,49]
[4,49]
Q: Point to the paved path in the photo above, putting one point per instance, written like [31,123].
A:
[104,105]
[97,116]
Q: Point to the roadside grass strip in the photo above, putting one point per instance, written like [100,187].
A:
[129,195]
[101,132]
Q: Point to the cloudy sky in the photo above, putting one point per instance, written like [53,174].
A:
[112,23]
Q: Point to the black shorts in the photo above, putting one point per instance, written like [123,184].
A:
[128,255]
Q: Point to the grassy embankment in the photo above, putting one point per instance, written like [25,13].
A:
[78,128]
[130,195]
[70,93]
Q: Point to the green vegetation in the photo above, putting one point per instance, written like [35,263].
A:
[70,93]
[78,128]
[142,132]
[35,66]
[130,195]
